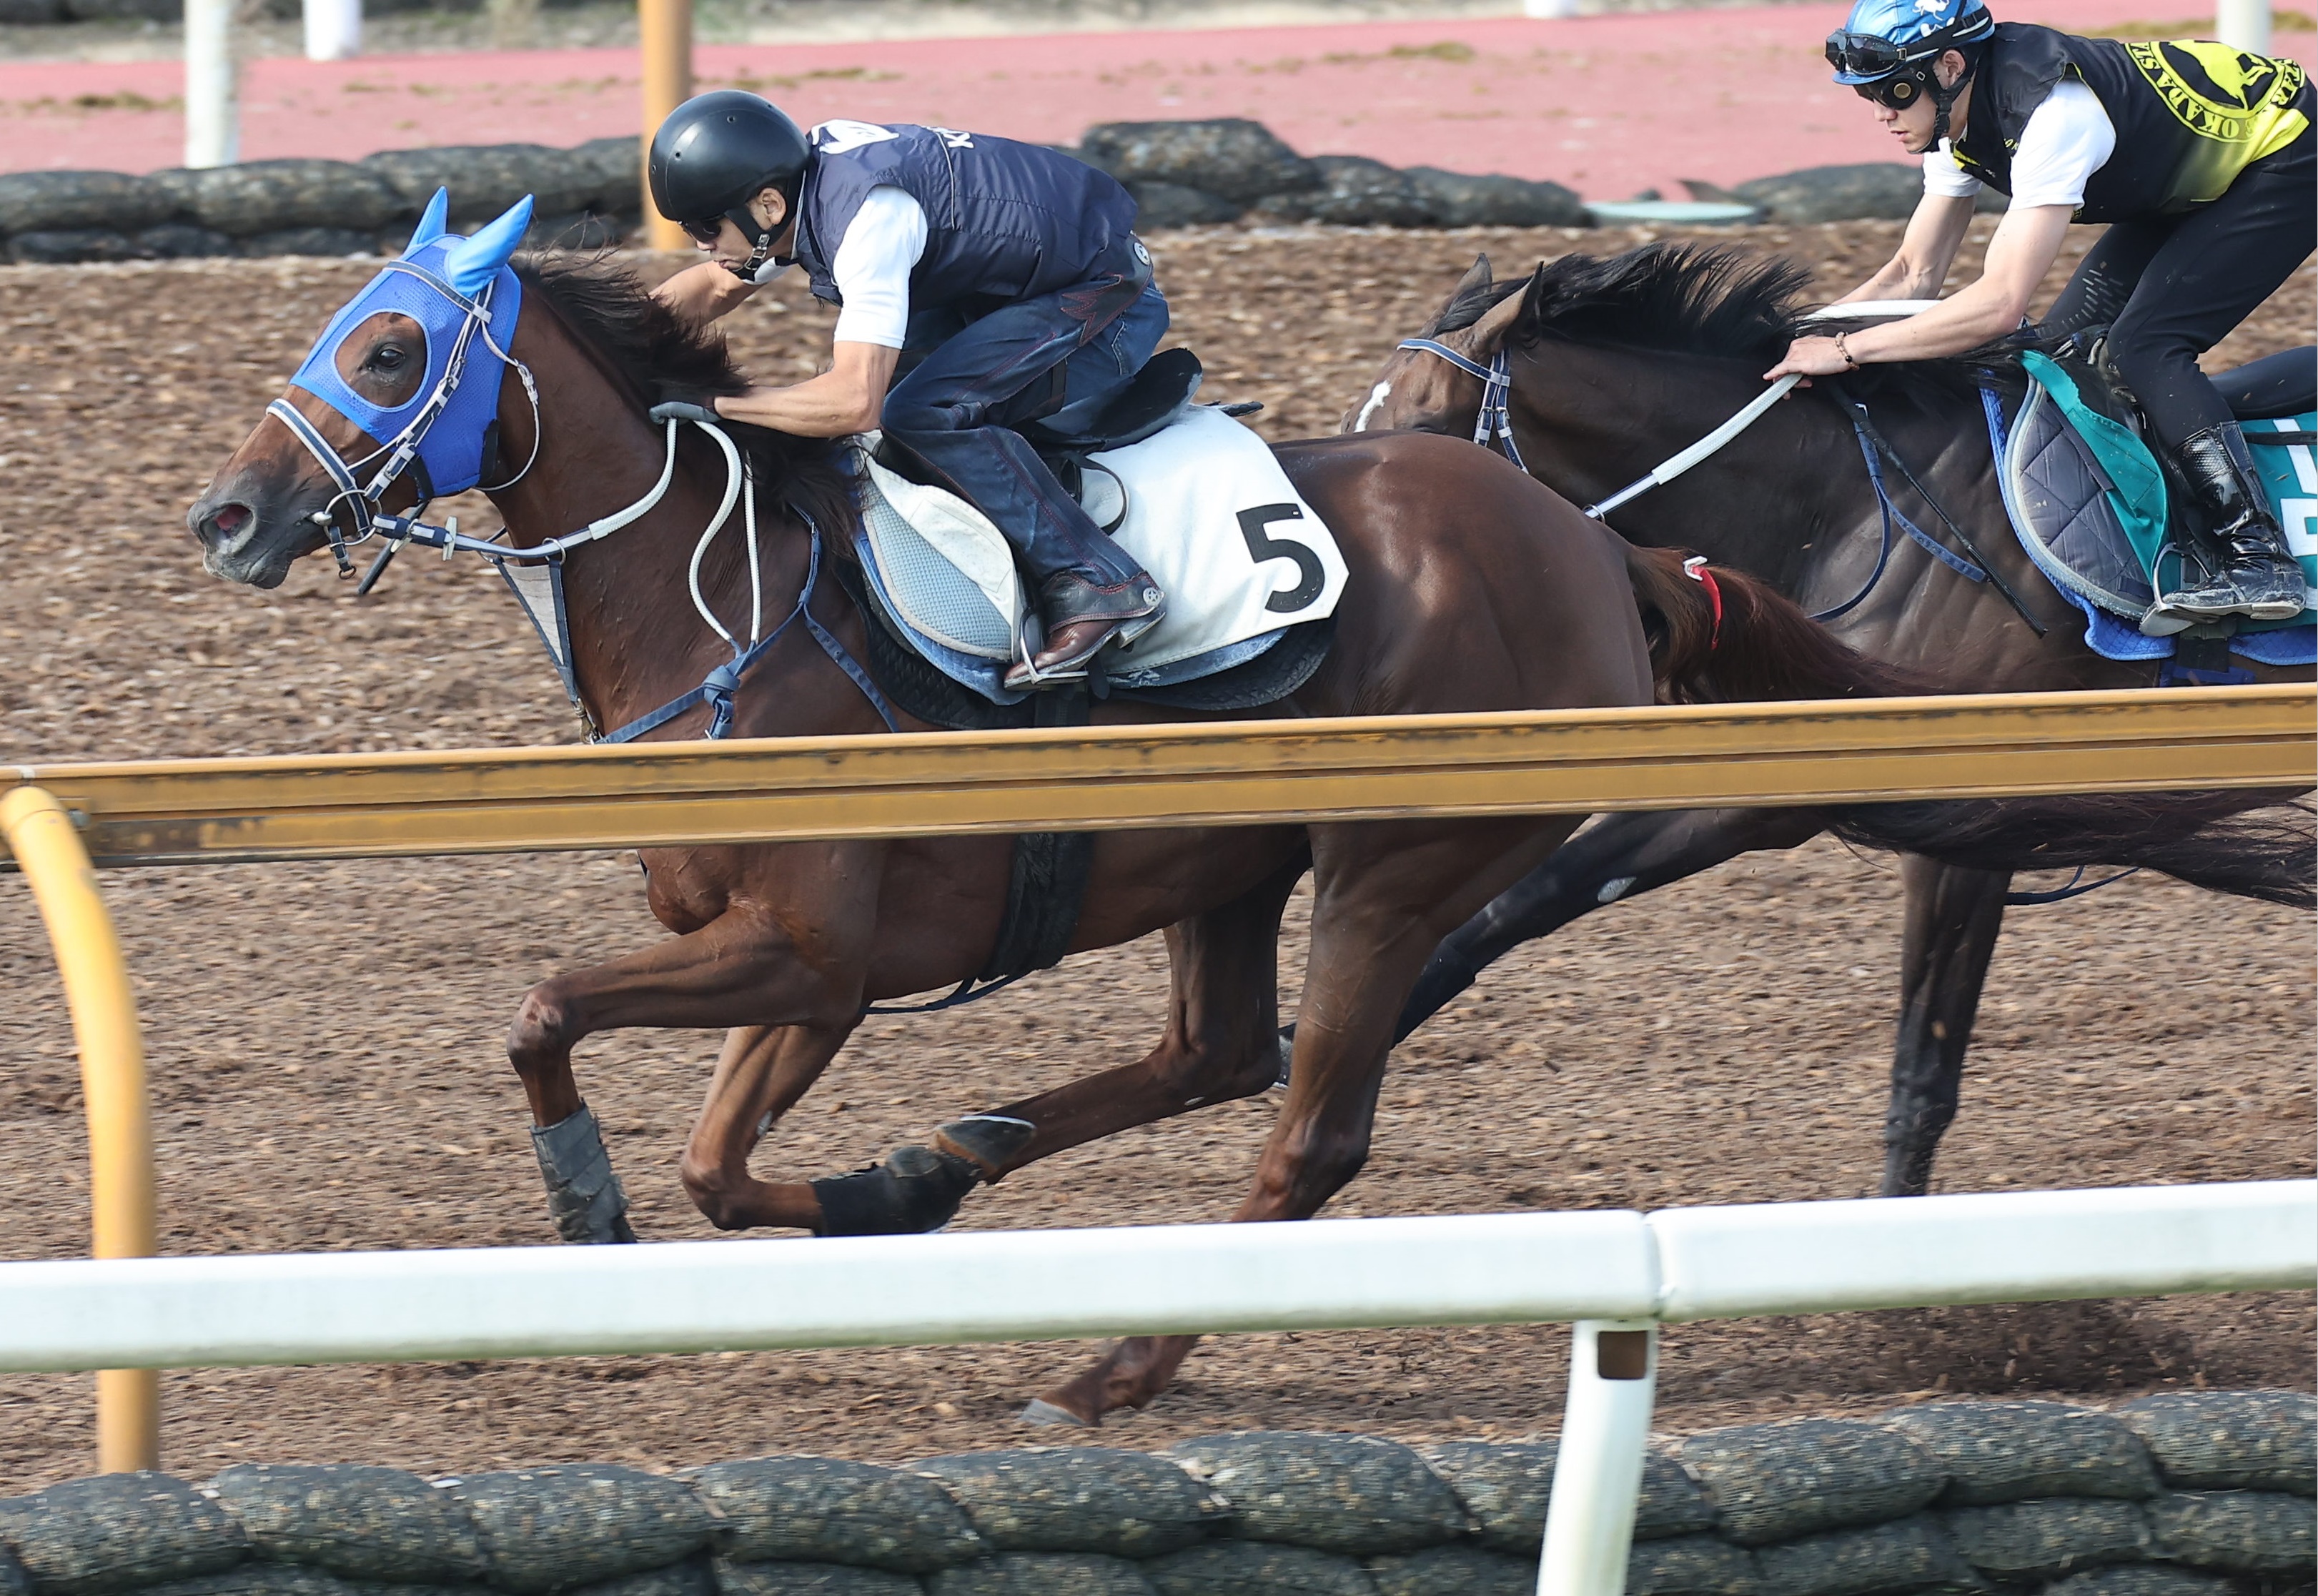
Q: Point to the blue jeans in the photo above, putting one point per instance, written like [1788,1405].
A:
[1058,358]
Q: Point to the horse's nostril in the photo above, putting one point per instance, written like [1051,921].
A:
[224,525]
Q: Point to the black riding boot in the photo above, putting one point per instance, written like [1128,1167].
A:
[2249,571]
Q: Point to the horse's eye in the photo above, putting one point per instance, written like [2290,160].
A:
[388,357]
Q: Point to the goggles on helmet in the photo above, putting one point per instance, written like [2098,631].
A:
[1864,55]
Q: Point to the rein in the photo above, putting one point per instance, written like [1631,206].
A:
[1495,422]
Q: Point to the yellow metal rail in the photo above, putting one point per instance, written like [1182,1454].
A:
[1246,773]
[40,833]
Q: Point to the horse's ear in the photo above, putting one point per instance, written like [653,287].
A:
[1477,277]
[433,222]
[474,262]
[1489,333]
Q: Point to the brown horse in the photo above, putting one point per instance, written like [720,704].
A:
[1617,362]
[1472,588]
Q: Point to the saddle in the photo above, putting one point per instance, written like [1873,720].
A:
[1198,501]
[2095,509]
[1156,396]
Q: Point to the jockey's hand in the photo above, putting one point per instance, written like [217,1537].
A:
[702,409]
[1808,358]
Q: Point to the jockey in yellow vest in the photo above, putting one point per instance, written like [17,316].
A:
[2202,159]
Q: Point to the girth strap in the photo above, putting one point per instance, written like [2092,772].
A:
[1046,892]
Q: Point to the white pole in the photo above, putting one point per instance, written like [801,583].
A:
[212,104]
[333,29]
[1597,1472]
[2244,23]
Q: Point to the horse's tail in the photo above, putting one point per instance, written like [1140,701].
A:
[2249,844]
[1720,635]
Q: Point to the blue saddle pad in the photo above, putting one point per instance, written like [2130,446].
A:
[2087,499]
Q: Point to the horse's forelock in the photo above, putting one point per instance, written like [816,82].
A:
[1467,307]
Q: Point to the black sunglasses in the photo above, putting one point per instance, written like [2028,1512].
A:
[704,232]
[1897,93]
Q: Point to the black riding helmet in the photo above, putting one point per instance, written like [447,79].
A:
[714,153]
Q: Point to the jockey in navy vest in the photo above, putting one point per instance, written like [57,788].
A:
[2202,160]
[1002,281]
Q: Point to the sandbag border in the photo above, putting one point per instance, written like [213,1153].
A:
[1183,173]
[2188,1493]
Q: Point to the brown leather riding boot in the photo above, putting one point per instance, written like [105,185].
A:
[1082,620]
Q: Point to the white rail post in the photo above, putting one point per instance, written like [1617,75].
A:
[1597,1472]
[2244,23]
[212,102]
[333,29]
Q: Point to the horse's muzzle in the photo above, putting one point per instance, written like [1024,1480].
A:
[248,534]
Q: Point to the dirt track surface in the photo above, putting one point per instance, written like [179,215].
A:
[325,1039]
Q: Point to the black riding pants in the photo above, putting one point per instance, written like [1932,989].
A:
[2172,287]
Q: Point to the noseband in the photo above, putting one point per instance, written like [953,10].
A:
[1494,425]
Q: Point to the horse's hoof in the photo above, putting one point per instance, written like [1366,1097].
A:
[915,1189]
[987,1141]
[1044,1413]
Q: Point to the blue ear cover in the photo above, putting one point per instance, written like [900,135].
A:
[473,262]
[453,449]
[432,224]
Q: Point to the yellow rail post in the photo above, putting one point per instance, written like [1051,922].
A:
[666,27]
[40,832]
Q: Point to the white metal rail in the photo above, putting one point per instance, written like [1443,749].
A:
[1619,1275]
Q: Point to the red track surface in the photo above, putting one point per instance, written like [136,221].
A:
[1607,104]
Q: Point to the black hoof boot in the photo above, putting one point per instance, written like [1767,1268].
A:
[915,1189]
[988,1141]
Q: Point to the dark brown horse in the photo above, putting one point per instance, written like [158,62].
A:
[1618,363]
[1472,588]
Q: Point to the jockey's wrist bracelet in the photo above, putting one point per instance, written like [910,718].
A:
[1841,348]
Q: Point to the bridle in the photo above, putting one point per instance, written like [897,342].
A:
[399,455]
[535,573]
[1494,424]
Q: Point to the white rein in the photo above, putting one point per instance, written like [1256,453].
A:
[1674,465]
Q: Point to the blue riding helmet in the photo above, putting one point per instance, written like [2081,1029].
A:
[1887,50]
[1881,37]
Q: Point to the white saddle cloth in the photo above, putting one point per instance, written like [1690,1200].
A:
[1209,515]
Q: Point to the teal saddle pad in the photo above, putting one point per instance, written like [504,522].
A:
[2088,501]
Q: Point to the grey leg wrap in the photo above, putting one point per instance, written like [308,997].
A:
[583,1195]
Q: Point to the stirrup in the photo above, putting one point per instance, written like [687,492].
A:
[1023,674]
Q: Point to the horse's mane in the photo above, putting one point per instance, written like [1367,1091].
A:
[662,356]
[1712,299]
[1697,299]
